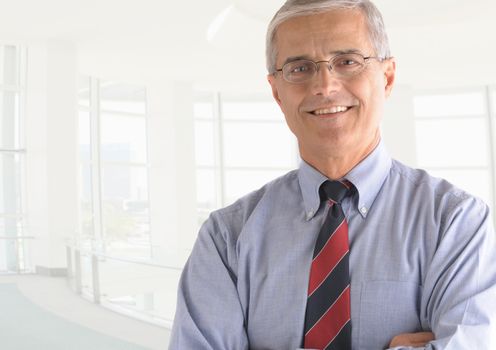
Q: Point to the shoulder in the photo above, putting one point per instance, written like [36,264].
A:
[232,218]
[423,189]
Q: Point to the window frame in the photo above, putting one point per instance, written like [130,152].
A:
[20,240]
[220,169]
[98,241]
[489,120]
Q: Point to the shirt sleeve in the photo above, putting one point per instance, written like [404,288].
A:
[459,293]
[209,314]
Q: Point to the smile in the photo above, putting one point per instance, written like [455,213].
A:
[330,110]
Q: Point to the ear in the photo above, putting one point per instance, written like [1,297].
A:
[271,78]
[389,75]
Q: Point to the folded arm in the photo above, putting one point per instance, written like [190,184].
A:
[459,291]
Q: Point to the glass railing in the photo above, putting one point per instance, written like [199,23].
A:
[136,288]
[15,253]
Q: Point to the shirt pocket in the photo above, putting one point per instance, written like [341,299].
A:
[387,308]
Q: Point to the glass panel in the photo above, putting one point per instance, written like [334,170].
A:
[476,182]
[10,67]
[206,194]
[8,255]
[86,275]
[258,145]
[9,120]
[241,182]
[126,214]
[136,245]
[448,143]
[86,202]
[1,62]
[204,143]
[203,110]
[206,189]
[152,293]
[493,98]
[14,251]
[123,138]
[10,182]
[84,136]
[25,251]
[445,105]
[84,91]
[121,97]
[251,110]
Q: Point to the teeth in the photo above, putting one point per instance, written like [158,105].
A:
[331,110]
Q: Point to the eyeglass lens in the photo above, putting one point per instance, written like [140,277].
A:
[343,65]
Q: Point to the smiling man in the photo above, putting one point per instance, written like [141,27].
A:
[353,250]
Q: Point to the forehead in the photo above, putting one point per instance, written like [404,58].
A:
[320,35]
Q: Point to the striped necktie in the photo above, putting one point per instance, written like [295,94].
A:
[328,317]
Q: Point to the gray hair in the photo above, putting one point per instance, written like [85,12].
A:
[297,8]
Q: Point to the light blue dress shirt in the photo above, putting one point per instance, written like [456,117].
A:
[422,257]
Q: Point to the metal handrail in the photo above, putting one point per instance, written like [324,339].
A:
[121,259]
[12,150]
[75,251]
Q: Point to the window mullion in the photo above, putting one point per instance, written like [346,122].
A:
[492,144]
[219,171]
[95,147]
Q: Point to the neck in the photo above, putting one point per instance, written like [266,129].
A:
[335,165]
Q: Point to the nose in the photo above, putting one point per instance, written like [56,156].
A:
[325,81]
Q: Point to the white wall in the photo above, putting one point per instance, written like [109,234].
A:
[172,171]
[456,54]
[51,141]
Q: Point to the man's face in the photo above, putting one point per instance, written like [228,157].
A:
[330,116]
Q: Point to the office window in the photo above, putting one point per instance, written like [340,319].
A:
[454,140]
[242,142]
[114,200]
[14,244]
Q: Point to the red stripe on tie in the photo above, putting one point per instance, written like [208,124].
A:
[330,255]
[330,324]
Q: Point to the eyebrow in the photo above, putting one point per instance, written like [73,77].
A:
[332,53]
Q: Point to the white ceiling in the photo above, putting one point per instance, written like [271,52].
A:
[160,31]
[165,21]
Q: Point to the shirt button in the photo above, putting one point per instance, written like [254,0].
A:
[309,214]
[363,210]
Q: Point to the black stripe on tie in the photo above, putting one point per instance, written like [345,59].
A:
[333,220]
[342,339]
[327,293]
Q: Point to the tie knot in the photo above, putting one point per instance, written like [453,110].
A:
[335,190]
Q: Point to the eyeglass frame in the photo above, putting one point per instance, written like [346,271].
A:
[329,67]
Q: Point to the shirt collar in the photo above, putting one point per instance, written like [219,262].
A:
[367,177]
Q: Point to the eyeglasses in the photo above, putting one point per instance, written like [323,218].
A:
[343,65]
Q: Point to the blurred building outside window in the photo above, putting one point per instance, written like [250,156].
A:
[113,176]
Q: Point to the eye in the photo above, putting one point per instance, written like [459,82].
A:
[346,62]
[299,67]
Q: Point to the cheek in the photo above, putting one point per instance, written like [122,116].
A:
[371,96]
[289,103]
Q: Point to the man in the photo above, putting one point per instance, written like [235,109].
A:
[409,260]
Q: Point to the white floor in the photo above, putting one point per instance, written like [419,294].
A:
[53,295]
